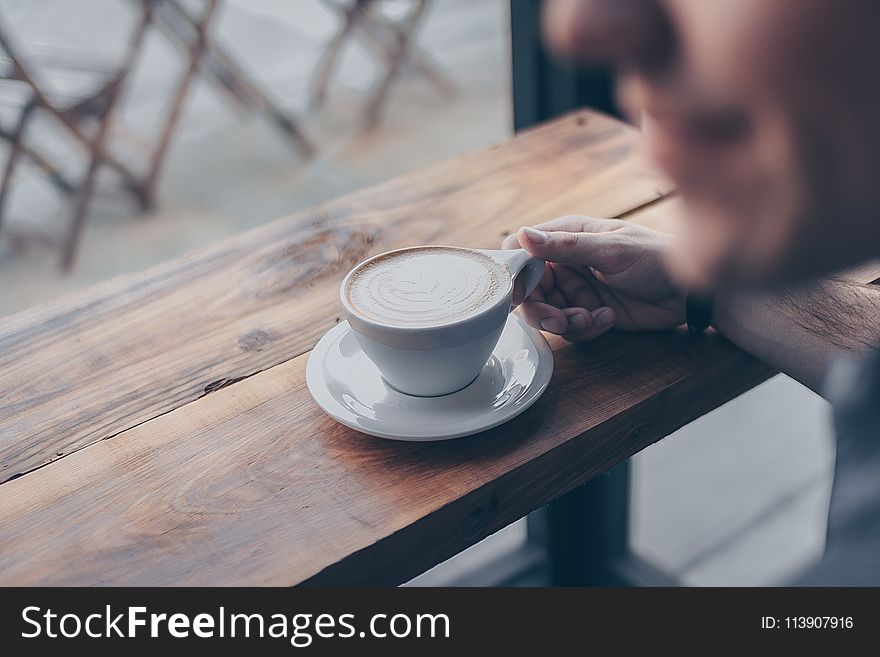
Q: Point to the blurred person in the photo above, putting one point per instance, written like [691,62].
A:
[765,116]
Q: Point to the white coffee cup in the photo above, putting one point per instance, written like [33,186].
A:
[429,361]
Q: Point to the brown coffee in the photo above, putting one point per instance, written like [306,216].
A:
[427,286]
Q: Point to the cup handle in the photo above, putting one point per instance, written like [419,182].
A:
[519,262]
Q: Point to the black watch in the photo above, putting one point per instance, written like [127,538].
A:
[698,312]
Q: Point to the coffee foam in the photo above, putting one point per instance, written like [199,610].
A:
[427,286]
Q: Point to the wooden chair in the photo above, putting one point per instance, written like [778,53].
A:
[394,42]
[85,118]
[189,33]
[88,119]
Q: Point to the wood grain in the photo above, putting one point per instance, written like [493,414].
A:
[105,360]
[254,485]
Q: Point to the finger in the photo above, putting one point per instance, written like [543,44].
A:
[573,223]
[599,276]
[518,289]
[545,286]
[584,325]
[567,247]
[548,281]
[510,242]
[578,286]
[557,298]
[578,223]
[545,317]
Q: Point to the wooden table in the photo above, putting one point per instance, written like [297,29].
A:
[156,429]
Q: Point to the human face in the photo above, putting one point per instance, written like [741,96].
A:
[766,113]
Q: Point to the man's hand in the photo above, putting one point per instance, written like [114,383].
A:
[600,273]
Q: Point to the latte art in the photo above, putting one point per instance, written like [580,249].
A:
[427,286]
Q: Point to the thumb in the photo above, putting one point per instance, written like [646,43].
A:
[565,247]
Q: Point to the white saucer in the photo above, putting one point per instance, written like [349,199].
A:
[347,385]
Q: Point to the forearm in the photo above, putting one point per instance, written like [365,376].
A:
[800,331]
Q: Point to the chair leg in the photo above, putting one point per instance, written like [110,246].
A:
[80,210]
[229,74]
[431,71]
[396,59]
[180,94]
[380,33]
[328,60]
[177,23]
[15,150]
[375,106]
[96,153]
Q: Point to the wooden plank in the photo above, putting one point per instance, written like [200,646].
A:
[868,272]
[661,215]
[107,359]
[255,485]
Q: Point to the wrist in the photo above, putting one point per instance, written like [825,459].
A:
[698,312]
[729,310]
